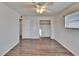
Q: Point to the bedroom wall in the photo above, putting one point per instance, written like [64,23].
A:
[31,26]
[69,38]
[8,28]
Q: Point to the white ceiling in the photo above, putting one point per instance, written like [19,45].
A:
[25,8]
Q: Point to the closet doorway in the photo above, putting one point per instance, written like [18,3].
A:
[45,28]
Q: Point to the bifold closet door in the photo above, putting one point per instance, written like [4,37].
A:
[45,30]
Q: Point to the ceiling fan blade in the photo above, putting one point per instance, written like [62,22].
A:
[45,5]
[34,8]
[35,4]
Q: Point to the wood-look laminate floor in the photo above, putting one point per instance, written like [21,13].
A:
[43,47]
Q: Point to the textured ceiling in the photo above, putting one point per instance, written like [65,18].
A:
[25,8]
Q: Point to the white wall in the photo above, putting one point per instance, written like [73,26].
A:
[31,26]
[67,37]
[52,28]
[8,28]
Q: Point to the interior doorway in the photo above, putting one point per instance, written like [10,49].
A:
[45,28]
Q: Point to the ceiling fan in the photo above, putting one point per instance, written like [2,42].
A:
[41,7]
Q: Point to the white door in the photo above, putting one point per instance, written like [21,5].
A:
[45,29]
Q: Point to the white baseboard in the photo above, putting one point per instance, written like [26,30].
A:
[31,38]
[9,48]
[52,38]
[67,48]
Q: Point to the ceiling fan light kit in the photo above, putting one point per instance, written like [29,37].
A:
[40,10]
[40,7]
